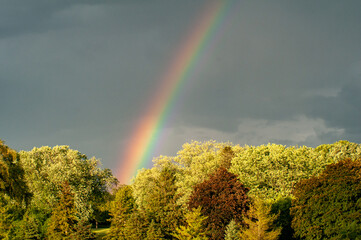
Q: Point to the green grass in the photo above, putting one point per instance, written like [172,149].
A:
[100,232]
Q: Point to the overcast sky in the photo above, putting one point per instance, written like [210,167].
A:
[80,73]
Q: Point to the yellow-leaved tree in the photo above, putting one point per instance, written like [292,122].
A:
[259,222]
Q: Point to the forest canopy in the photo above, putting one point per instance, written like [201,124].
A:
[208,190]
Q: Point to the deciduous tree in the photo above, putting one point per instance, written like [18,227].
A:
[222,198]
[272,171]
[196,161]
[6,216]
[328,206]
[47,168]
[12,180]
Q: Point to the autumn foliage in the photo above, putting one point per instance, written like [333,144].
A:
[222,198]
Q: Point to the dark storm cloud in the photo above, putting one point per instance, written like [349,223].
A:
[21,17]
[276,55]
[81,73]
[78,73]
[341,111]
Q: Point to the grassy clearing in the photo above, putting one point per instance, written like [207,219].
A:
[100,232]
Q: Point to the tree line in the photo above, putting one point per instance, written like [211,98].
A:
[209,190]
[51,193]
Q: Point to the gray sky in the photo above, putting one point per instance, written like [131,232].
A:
[80,73]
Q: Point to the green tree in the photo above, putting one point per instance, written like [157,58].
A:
[47,168]
[153,232]
[281,207]
[14,194]
[161,203]
[143,181]
[222,198]
[83,231]
[28,228]
[195,162]
[122,207]
[232,231]
[63,219]
[101,211]
[259,223]
[272,171]
[194,229]
[12,175]
[30,224]
[328,206]
[32,228]
[341,150]
[6,216]
[138,226]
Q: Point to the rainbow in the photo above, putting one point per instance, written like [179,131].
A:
[147,131]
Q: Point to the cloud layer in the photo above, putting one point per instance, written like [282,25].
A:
[81,73]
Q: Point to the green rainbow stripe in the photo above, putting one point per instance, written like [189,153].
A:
[147,131]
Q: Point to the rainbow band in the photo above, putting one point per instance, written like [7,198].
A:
[147,131]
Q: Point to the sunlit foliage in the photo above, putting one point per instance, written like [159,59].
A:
[63,219]
[194,228]
[232,231]
[259,222]
[121,210]
[271,171]
[196,161]
[201,193]
[12,180]
[47,168]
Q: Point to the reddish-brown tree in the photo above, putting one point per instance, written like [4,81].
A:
[222,198]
